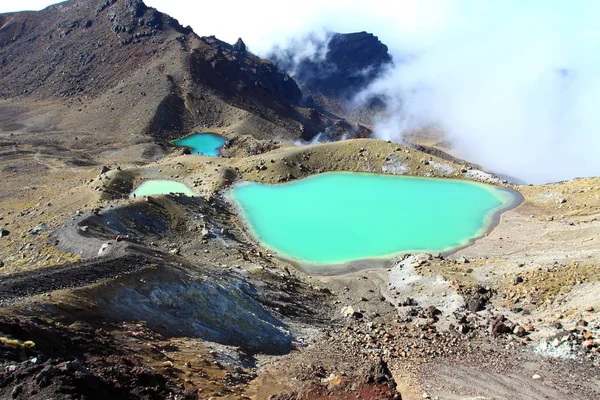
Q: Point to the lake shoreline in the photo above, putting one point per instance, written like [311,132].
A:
[386,260]
[195,142]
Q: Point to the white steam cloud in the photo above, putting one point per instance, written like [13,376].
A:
[517,94]
[514,84]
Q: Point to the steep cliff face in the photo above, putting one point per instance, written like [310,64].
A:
[239,75]
[335,70]
[127,67]
[351,61]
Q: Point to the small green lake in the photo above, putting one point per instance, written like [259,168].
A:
[340,217]
[159,186]
[206,144]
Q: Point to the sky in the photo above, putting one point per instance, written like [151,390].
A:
[22,5]
[514,84]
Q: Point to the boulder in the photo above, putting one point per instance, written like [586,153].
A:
[204,233]
[519,331]
[379,373]
[104,248]
[498,326]
[408,302]
[349,311]
[476,298]
[37,229]
[431,311]
[464,329]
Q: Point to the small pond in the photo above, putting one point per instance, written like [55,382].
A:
[158,186]
[206,144]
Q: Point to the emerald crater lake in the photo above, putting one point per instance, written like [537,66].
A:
[341,217]
[206,144]
[160,186]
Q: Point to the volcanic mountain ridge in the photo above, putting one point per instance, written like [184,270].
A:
[121,61]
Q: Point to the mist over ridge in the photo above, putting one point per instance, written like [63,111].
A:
[513,85]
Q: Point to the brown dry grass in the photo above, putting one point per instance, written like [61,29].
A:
[581,198]
[542,285]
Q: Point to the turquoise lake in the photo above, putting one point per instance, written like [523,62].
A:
[206,144]
[156,187]
[339,217]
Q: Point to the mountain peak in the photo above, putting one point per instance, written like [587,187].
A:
[240,46]
[351,61]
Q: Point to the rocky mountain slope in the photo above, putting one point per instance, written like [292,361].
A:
[103,295]
[338,69]
[123,61]
[341,67]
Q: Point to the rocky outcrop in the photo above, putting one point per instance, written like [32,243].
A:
[351,62]
[240,46]
[235,72]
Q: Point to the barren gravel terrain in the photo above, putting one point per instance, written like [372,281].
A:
[170,297]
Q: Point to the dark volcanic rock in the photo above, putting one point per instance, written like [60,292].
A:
[240,46]
[477,298]
[235,72]
[379,373]
[76,364]
[351,62]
